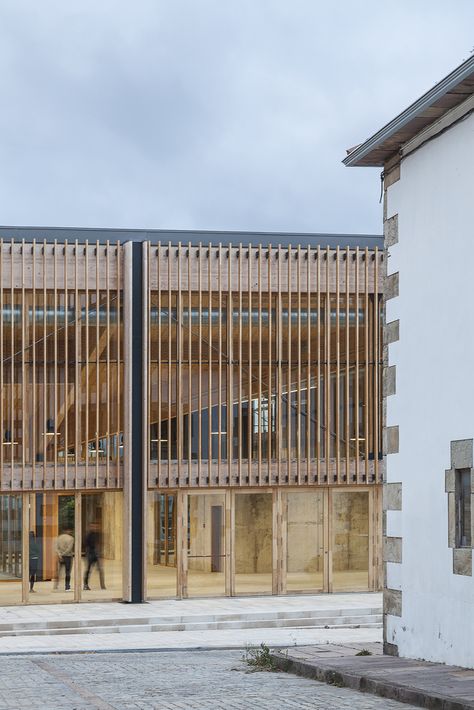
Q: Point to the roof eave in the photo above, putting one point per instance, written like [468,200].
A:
[360,157]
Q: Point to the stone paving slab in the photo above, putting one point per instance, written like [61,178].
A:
[197,680]
[423,684]
[89,611]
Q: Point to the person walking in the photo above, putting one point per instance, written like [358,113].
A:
[34,550]
[94,556]
[65,553]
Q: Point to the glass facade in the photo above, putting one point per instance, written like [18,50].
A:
[161,557]
[350,553]
[305,541]
[11,560]
[260,375]
[206,545]
[253,543]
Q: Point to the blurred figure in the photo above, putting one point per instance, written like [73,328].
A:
[65,553]
[93,545]
[33,559]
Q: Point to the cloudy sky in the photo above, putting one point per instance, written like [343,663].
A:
[210,114]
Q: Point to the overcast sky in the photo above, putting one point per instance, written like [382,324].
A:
[209,114]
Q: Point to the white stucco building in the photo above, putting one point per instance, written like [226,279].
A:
[427,154]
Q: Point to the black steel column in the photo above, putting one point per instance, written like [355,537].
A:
[137,424]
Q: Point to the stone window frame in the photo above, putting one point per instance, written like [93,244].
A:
[462,458]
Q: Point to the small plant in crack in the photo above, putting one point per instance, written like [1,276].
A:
[259,659]
[364,652]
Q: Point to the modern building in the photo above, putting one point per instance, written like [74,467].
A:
[426,154]
[189,414]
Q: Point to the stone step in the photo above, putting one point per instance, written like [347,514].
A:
[304,620]
[252,616]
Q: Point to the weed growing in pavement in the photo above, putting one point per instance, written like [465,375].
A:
[259,659]
[335,679]
[364,652]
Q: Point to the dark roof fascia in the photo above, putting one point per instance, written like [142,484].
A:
[447,84]
[173,236]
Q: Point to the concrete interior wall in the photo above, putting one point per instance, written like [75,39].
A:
[305,547]
[200,530]
[350,522]
[253,533]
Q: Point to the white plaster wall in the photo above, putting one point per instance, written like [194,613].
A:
[435,387]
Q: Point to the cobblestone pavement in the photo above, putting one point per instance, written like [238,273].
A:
[186,680]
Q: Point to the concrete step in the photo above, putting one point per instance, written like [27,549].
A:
[340,618]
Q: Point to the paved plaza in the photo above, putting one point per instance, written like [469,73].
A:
[178,680]
[192,623]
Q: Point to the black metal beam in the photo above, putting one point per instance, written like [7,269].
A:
[137,492]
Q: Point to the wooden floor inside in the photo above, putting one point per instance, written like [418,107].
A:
[162,584]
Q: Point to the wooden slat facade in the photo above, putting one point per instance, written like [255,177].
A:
[60,366]
[264,366]
[264,353]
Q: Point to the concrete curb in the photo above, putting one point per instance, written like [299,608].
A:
[364,683]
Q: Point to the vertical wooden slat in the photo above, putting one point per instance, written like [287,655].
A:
[270,357]
[240,368]
[87,399]
[249,403]
[279,402]
[209,374]
[366,366]
[288,387]
[77,366]
[119,252]
[33,367]
[66,364]
[318,364]
[65,404]
[327,370]
[2,357]
[55,366]
[24,419]
[200,366]
[12,368]
[190,365]
[219,364]
[159,378]
[169,363]
[179,370]
[347,388]
[376,364]
[357,374]
[259,383]
[45,359]
[309,412]
[97,363]
[338,371]
[108,437]
[230,359]
[298,369]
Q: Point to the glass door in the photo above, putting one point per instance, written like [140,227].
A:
[350,540]
[206,546]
